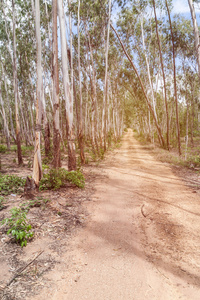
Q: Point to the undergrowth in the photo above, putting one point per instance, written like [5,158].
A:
[56,178]
[11,184]
[18,226]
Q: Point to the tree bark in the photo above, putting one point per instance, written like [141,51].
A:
[105,96]
[18,139]
[37,161]
[163,74]
[80,126]
[67,91]
[175,88]
[56,102]
[6,129]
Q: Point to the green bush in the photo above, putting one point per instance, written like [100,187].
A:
[18,226]
[3,148]
[11,184]
[57,178]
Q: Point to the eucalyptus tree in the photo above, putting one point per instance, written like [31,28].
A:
[105,96]
[163,72]
[174,71]
[37,161]
[15,85]
[56,102]
[80,125]
[67,91]
[6,128]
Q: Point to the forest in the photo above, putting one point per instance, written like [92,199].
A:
[75,74]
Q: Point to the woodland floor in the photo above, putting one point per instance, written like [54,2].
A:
[132,233]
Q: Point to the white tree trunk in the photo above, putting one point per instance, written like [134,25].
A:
[104,113]
[67,92]
[37,161]
[18,139]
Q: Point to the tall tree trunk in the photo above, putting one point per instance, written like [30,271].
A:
[105,96]
[148,68]
[80,127]
[37,161]
[13,134]
[175,88]
[56,103]
[67,92]
[6,129]
[18,139]
[163,74]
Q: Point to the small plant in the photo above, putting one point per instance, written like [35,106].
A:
[18,226]
[3,148]
[11,184]
[2,202]
[57,178]
[39,201]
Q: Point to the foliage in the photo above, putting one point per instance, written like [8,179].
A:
[18,226]
[26,149]
[3,148]
[13,148]
[2,202]
[38,202]
[11,184]
[57,178]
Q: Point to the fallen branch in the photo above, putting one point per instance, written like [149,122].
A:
[19,272]
[142,211]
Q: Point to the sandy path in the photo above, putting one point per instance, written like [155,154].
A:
[143,238]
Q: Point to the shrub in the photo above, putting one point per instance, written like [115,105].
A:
[57,178]
[11,184]
[18,226]
[3,148]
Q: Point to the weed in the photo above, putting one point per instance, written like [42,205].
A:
[11,184]
[2,202]
[18,226]
[38,202]
[57,178]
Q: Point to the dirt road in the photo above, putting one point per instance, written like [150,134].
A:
[143,237]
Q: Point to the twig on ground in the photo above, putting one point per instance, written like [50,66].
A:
[19,272]
[142,211]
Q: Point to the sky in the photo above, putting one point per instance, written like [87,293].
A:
[182,7]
